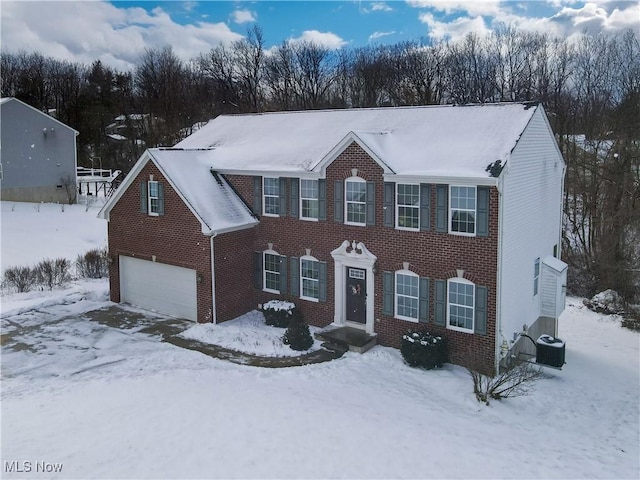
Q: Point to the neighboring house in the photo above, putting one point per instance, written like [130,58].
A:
[38,156]
[381,219]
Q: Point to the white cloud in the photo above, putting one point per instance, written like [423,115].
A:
[244,16]
[327,39]
[455,29]
[380,7]
[87,31]
[473,8]
[376,35]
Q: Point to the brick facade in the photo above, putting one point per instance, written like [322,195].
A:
[175,238]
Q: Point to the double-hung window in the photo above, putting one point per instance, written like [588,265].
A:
[408,206]
[407,295]
[153,197]
[356,201]
[309,199]
[309,278]
[271,194]
[536,275]
[271,272]
[461,304]
[463,210]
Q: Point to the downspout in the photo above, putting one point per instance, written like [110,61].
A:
[213,281]
[499,333]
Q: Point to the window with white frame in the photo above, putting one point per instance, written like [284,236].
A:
[271,272]
[356,201]
[309,278]
[309,199]
[271,194]
[460,304]
[408,206]
[463,210]
[407,292]
[536,275]
[153,197]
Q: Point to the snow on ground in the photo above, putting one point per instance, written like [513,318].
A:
[248,334]
[103,402]
[31,232]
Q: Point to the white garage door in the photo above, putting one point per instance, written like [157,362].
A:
[157,286]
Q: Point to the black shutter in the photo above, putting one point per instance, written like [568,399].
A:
[389,204]
[440,312]
[387,293]
[482,227]
[144,203]
[257,195]
[338,201]
[257,270]
[322,281]
[425,206]
[423,300]
[442,205]
[283,274]
[282,192]
[371,204]
[294,205]
[480,324]
[322,199]
[295,276]
[160,198]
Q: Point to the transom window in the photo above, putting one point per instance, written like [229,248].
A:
[310,278]
[463,210]
[461,298]
[356,201]
[408,206]
[309,199]
[407,291]
[153,197]
[271,272]
[271,194]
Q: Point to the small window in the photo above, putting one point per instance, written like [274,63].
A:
[408,207]
[460,305]
[407,292]
[309,199]
[463,210]
[271,194]
[536,275]
[356,201]
[153,198]
[271,280]
[310,278]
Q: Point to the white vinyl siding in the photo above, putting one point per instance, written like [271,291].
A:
[462,210]
[408,207]
[460,305]
[309,199]
[407,293]
[271,196]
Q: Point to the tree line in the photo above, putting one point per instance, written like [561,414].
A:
[590,87]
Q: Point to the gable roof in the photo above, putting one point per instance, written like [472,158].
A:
[5,100]
[209,197]
[440,140]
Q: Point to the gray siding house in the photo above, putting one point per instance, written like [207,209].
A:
[38,155]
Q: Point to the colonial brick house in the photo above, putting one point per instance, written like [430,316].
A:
[384,220]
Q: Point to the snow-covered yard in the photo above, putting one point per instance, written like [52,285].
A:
[100,402]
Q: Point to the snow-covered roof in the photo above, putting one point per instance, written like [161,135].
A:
[423,141]
[213,202]
[555,263]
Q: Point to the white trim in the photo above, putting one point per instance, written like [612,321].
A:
[355,179]
[342,145]
[317,199]
[308,258]
[473,307]
[264,198]
[346,255]
[149,198]
[406,273]
[264,271]
[475,212]
[214,315]
[462,181]
[397,206]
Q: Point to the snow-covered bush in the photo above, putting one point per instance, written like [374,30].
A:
[421,349]
[608,302]
[297,336]
[20,279]
[51,273]
[278,313]
[93,264]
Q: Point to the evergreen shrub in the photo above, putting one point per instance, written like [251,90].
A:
[422,349]
[278,313]
[297,336]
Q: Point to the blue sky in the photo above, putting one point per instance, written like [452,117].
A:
[117,32]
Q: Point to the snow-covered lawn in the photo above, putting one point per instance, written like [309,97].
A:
[102,402]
